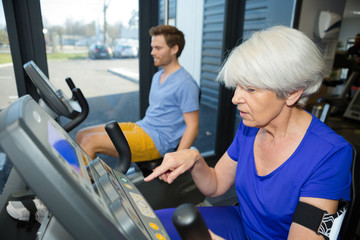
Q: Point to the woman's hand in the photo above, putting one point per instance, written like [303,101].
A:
[175,164]
[214,236]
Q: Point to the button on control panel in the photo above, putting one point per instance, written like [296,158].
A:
[128,205]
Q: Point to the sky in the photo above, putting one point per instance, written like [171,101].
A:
[55,12]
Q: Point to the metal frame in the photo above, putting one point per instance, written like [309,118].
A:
[233,31]
[297,13]
[148,17]
[25,30]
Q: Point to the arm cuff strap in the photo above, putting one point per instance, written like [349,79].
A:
[318,220]
[308,216]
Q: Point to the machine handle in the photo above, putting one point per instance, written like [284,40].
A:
[189,223]
[121,145]
[71,85]
[79,97]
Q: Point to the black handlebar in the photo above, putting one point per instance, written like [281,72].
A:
[79,97]
[189,223]
[121,145]
[71,85]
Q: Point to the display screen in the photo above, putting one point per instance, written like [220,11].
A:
[36,75]
[63,147]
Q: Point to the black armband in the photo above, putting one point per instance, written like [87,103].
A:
[320,221]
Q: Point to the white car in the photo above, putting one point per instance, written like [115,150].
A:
[122,50]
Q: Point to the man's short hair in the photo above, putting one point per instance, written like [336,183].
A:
[172,35]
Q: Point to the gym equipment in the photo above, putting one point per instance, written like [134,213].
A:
[56,104]
[158,193]
[84,202]
[86,199]
[189,223]
[116,135]
[75,108]
[352,217]
[336,104]
[353,110]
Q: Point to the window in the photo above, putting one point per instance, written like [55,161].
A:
[82,42]
[8,92]
[167,10]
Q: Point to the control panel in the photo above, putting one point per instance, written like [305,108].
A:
[126,202]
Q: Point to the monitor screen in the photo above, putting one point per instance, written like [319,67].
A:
[63,147]
[36,75]
[55,99]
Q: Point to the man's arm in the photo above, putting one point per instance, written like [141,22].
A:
[192,129]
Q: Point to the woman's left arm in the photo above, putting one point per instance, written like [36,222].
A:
[298,231]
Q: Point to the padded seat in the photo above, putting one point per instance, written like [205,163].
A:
[147,167]
[352,217]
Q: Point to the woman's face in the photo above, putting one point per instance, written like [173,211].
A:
[257,107]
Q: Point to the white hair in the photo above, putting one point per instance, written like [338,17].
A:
[279,59]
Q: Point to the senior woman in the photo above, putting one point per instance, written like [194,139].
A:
[281,154]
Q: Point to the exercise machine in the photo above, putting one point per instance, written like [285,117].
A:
[86,200]
[55,101]
[75,109]
[353,110]
[158,193]
[53,166]
[336,104]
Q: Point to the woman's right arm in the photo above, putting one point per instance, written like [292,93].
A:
[211,182]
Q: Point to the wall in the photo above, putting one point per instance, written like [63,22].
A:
[310,11]
[308,19]
[189,19]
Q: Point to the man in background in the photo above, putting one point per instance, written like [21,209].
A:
[171,121]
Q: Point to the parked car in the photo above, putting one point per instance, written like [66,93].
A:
[97,51]
[122,50]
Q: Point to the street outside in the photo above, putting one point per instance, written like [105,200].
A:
[94,77]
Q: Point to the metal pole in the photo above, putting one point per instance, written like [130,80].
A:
[166,17]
